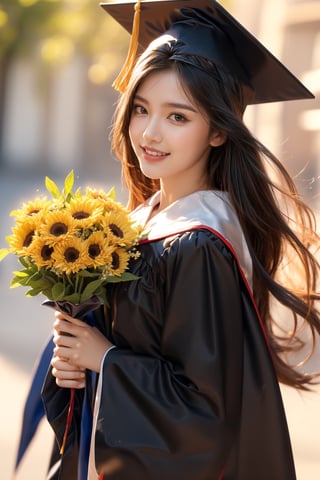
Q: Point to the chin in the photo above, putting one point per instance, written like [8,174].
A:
[152,175]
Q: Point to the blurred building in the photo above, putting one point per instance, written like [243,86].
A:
[291,30]
[57,123]
[64,121]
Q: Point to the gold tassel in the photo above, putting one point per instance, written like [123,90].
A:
[124,76]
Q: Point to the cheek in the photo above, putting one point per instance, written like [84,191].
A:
[134,131]
[132,135]
[196,138]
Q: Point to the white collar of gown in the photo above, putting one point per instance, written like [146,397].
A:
[205,208]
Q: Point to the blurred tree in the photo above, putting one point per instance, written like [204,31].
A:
[52,31]
[22,23]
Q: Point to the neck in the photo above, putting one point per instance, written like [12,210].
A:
[169,195]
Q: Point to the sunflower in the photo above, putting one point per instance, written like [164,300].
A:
[41,253]
[70,256]
[71,246]
[22,237]
[97,249]
[106,200]
[86,212]
[56,227]
[119,261]
[121,230]
[36,207]
[100,194]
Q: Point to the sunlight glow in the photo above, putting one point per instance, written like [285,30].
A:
[57,48]
[27,3]
[3,18]
[310,120]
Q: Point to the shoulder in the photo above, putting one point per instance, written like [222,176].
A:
[209,248]
[197,249]
[195,241]
[194,249]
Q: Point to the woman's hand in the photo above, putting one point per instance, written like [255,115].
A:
[67,375]
[83,347]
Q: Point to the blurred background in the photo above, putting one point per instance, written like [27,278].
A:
[57,62]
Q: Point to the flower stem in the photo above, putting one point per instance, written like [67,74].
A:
[69,420]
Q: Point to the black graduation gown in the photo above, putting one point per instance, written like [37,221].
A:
[190,393]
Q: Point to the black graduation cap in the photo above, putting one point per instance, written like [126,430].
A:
[206,29]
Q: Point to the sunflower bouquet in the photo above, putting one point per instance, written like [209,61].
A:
[71,245]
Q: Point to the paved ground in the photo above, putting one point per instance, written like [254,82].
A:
[24,329]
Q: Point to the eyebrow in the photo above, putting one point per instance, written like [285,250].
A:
[182,106]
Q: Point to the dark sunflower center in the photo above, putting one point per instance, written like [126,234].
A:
[94,250]
[71,254]
[59,228]
[80,215]
[28,239]
[116,230]
[46,252]
[115,261]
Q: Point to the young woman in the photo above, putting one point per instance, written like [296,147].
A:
[189,356]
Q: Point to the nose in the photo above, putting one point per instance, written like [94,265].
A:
[152,131]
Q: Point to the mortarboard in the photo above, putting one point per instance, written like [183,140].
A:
[206,29]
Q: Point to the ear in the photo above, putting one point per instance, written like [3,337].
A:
[217,139]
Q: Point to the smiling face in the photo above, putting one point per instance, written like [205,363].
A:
[170,136]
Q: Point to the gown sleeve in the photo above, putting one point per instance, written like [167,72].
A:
[175,414]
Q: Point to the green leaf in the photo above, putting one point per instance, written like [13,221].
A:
[78,193]
[24,262]
[125,277]
[58,291]
[35,277]
[73,298]
[33,292]
[112,193]
[128,277]
[47,292]
[68,183]
[23,281]
[91,289]
[3,253]
[15,282]
[52,188]
[101,294]
[87,274]
[21,273]
[38,283]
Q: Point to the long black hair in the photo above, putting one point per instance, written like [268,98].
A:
[279,227]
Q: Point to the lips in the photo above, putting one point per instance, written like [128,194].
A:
[152,152]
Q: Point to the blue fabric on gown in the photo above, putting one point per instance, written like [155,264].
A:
[34,409]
